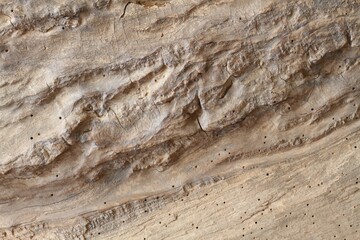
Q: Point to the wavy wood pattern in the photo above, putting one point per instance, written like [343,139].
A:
[169,119]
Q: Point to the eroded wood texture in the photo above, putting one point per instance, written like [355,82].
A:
[169,119]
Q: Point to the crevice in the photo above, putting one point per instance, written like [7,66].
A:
[117,118]
[126,5]
[197,119]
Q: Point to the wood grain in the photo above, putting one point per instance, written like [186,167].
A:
[169,119]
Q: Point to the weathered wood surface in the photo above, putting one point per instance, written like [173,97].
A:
[169,119]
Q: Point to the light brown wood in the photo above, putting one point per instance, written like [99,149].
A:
[168,119]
